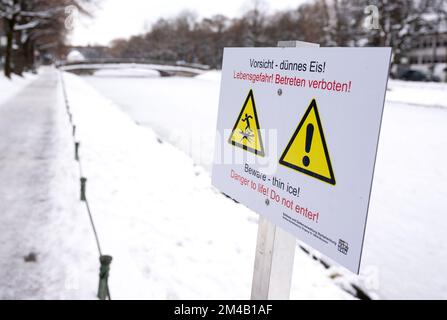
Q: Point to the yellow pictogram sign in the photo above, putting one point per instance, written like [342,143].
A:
[307,151]
[246,131]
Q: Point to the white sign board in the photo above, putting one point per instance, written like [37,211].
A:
[297,137]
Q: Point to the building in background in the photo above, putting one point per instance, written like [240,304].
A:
[2,43]
[429,49]
[429,54]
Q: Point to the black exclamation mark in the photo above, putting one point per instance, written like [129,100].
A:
[309,135]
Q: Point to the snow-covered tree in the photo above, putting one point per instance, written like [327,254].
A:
[399,23]
[28,24]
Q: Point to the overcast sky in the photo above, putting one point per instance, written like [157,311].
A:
[118,18]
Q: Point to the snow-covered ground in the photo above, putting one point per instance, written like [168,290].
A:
[171,234]
[10,87]
[433,95]
[44,231]
[405,253]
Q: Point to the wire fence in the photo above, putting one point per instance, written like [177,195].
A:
[105,260]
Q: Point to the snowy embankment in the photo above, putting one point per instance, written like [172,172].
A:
[172,236]
[10,87]
[407,218]
[429,94]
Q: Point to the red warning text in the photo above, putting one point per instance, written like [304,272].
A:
[293,206]
[273,196]
[293,81]
[242,180]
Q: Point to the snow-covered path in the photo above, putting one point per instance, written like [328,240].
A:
[36,162]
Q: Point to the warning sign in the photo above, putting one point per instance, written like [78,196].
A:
[307,151]
[246,131]
[297,136]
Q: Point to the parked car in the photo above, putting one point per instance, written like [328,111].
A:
[416,75]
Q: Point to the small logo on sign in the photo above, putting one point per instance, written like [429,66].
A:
[343,246]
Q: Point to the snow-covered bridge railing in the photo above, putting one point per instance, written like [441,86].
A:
[164,69]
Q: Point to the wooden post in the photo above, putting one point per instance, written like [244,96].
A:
[275,248]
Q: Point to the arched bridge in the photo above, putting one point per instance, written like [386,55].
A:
[165,69]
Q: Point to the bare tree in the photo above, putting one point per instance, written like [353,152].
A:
[313,22]
[255,20]
[327,22]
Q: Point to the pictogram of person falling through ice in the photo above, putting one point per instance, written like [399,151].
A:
[247,134]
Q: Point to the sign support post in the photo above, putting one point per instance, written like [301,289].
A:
[275,248]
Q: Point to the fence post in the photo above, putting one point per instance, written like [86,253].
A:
[77,144]
[103,288]
[83,187]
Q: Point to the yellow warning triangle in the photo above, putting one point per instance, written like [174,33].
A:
[245,133]
[307,151]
